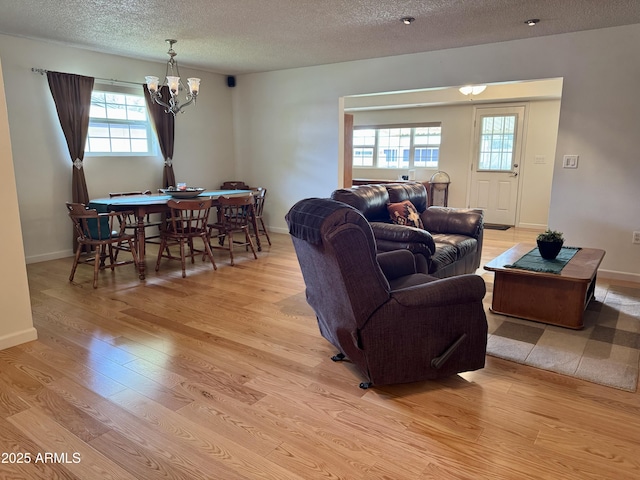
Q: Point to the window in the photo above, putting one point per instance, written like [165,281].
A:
[118,125]
[497,143]
[397,147]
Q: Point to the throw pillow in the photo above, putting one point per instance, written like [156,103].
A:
[405,213]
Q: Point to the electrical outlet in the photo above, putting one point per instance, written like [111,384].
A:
[636,237]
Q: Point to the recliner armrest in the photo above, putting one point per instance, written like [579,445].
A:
[397,263]
[447,291]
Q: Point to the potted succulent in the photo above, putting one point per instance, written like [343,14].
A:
[550,243]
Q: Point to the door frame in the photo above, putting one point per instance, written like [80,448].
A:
[474,147]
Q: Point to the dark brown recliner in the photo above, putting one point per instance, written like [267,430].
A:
[394,324]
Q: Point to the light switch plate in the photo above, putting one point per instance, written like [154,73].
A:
[570,161]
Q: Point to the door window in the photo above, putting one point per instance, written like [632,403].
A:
[497,142]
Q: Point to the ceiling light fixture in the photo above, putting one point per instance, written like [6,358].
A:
[532,22]
[472,89]
[407,20]
[174,83]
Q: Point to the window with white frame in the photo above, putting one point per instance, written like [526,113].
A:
[118,123]
[403,147]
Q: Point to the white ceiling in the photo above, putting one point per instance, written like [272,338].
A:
[243,36]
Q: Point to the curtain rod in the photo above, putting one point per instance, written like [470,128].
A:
[43,71]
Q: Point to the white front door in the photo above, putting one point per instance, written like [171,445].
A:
[496,160]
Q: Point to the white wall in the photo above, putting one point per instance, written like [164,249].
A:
[287,126]
[17,324]
[203,154]
[536,170]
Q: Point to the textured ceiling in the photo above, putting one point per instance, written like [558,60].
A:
[242,36]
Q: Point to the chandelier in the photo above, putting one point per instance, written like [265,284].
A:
[172,74]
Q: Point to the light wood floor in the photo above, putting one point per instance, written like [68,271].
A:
[224,375]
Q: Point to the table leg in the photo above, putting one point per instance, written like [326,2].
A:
[254,222]
[141,245]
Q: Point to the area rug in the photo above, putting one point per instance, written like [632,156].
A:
[606,351]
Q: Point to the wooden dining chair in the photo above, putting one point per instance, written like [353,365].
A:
[234,185]
[131,222]
[234,216]
[102,233]
[259,226]
[188,219]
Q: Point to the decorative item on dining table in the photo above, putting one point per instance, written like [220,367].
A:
[182,191]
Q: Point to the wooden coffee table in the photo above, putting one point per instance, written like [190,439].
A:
[557,299]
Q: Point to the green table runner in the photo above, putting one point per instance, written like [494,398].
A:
[534,262]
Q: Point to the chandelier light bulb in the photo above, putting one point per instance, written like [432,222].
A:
[194,85]
[174,84]
[152,83]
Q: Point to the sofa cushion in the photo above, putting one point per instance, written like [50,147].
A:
[416,193]
[444,255]
[371,200]
[405,213]
[464,245]
[463,221]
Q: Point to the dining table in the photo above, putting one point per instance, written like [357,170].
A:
[142,205]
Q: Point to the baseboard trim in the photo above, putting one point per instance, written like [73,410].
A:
[48,256]
[17,338]
[532,226]
[278,230]
[615,275]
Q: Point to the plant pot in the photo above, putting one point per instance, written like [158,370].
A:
[549,250]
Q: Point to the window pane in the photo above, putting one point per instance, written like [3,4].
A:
[120,145]
[99,145]
[363,157]
[139,145]
[427,136]
[138,131]
[137,113]
[116,111]
[98,110]
[426,157]
[365,137]
[115,98]
[97,97]
[99,130]
[136,101]
[118,131]
[392,142]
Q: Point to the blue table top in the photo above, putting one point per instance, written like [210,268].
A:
[157,198]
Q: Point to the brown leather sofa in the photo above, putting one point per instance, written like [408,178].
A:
[450,243]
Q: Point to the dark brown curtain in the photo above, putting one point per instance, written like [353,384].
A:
[164,126]
[72,96]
